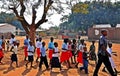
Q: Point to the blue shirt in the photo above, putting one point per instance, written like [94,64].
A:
[51,45]
[31,50]
[43,51]
[0,41]
[65,46]
[26,42]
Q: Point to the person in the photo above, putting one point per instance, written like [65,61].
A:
[85,60]
[1,52]
[30,51]
[3,42]
[64,55]
[70,48]
[110,58]
[73,51]
[80,53]
[78,42]
[43,57]
[55,60]
[11,41]
[103,55]
[14,55]
[92,54]
[8,45]
[26,44]
[38,46]
[51,47]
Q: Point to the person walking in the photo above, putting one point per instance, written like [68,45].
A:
[103,55]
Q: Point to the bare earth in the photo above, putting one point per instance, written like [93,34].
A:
[6,70]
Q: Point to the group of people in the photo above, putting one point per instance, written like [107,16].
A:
[72,52]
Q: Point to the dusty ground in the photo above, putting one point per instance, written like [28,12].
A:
[6,70]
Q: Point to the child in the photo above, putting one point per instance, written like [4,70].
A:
[92,53]
[38,46]
[11,41]
[8,45]
[3,42]
[85,61]
[30,54]
[14,55]
[26,44]
[55,60]
[73,51]
[64,55]
[70,48]
[51,47]
[110,58]
[1,53]
[43,57]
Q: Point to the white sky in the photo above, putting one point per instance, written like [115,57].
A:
[55,18]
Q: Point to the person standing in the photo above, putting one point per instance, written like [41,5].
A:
[43,57]
[11,41]
[38,46]
[103,55]
[14,54]
[26,44]
[30,51]
[1,51]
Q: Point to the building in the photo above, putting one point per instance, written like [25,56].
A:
[113,33]
[6,29]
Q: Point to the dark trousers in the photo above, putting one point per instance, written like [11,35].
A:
[105,60]
[43,59]
[85,65]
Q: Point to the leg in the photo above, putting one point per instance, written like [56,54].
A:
[46,62]
[16,64]
[37,59]
[74,59]
[108,66]
[68,63]
[1,59]
[27,63]
[86,66]
[41,61]
[31,63]
[100,60]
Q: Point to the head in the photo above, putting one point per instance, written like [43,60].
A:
[104,32]
[40,39]
[12,35]
[2,37]
[56,44]
[43,43]
[85,49]
[69,41]
[8,41]
[109,44]
[79,37]
[74,41]
[51,39]
[27,36]
[65,40]
[82,41]
[93,42]
[30,43]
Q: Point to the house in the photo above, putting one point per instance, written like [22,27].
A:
[95,32]
[8,28]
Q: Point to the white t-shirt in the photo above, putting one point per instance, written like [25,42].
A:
[56,52]
[38,44]
[30,50]
[81,47]
[65,46]
[15,50]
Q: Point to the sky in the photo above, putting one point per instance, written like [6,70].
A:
[55,18]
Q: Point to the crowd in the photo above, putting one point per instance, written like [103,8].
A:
[72,52]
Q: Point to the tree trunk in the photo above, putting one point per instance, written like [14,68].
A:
[32,34]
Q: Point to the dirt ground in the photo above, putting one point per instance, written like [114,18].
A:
[7,70]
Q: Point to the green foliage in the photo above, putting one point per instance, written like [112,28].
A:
[98,13]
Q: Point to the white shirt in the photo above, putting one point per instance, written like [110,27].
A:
[109,51]
[15,50]
[56,52]
[81,47]
[30,50]
[65,46]
[38,44]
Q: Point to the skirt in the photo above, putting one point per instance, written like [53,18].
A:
[30,58]
[38,52]
[80,57]
[55,62]
[64,56]
[25,51]
[50,53]
[1,54]
[14,57]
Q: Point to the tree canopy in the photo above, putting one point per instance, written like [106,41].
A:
[92,13]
